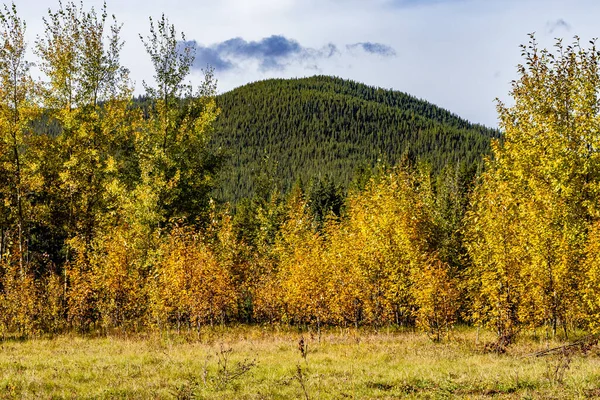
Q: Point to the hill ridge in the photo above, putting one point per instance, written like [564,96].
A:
[321,124]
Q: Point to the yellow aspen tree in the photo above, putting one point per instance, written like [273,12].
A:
[176,165]
[346,280]
[302,273]
[436,297]
[17,109]
[19,295]
[19,303]
[176,177]
[590,317]
[267,288]
[267,295]
[51,302]
[119,280]
[436,288]
[545,171]
[5,215]
[389,222]
[552,137]
[190,288]
[235,255]
[88,94]
[496,251]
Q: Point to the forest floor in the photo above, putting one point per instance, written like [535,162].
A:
[267,363]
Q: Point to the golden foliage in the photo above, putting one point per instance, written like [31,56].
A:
[437,298]
[189,286]
[138,241]
[19,302]
[530,217]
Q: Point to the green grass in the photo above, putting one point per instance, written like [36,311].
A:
[344,364]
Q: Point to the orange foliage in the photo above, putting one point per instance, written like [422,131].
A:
[189,286]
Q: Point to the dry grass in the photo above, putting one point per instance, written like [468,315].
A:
[257,363]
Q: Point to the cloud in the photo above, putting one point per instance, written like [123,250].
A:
[552,26]
[274,47]
[208,56]
[275,52]
[373,48]
[272,53]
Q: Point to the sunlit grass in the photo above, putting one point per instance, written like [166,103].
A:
[344,363]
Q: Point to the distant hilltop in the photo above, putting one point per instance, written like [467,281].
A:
[299,129]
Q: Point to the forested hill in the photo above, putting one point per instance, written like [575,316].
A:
[290,129]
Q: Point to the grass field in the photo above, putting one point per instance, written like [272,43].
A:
[255,363]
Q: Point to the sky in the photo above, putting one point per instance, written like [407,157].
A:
[458,54]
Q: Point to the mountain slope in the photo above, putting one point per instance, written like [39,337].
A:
[310,127]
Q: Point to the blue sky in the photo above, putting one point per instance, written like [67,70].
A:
[459,54]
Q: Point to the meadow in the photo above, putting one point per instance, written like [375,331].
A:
[271,363]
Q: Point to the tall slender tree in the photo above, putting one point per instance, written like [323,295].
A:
[17,106]
[176,161]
